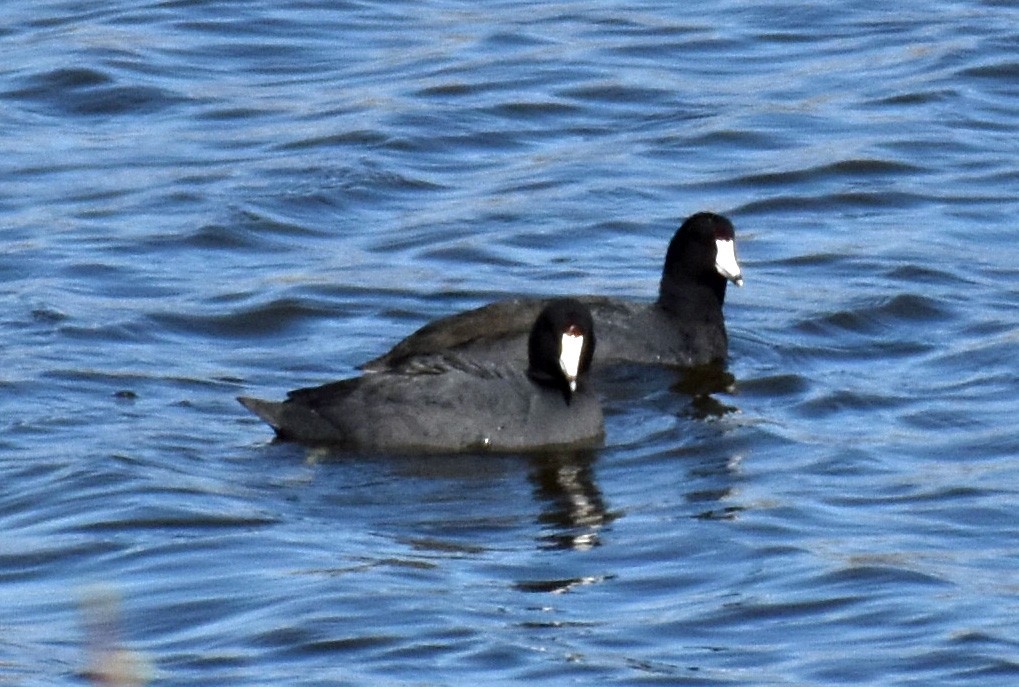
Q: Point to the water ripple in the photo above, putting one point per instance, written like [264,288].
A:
[199,204]
[89,92]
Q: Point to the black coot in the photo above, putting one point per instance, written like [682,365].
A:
[684,327]
[447,403]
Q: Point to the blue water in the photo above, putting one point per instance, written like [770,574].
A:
[202,199]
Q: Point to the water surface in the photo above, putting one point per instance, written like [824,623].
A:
[202,199]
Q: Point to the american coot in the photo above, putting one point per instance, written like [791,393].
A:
[684,327]
[446,403]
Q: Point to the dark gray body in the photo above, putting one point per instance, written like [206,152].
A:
[692,334]
[437,404]
[684,327]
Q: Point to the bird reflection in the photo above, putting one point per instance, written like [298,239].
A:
[701,383]
[573,511]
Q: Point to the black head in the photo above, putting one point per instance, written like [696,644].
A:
[702,252]
[561,345]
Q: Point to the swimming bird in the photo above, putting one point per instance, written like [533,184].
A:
[449,403]
[684,327]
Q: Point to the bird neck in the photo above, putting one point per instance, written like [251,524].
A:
[552,381]
[682,295]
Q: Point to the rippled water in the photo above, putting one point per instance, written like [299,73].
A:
[201,199]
